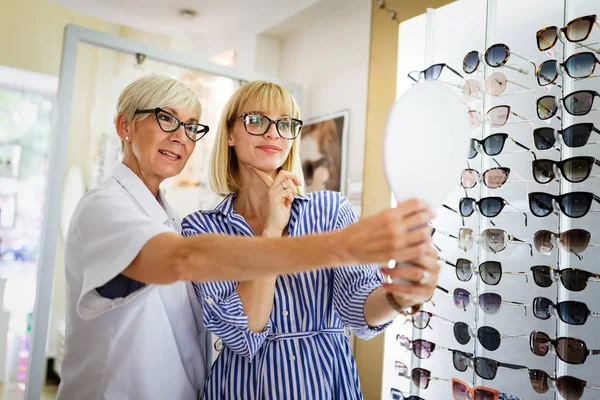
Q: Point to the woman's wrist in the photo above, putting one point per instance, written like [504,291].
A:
[402,305]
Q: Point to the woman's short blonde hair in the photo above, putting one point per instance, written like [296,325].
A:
[254,96]
[154,91]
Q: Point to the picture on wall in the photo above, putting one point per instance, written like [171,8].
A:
[323,151]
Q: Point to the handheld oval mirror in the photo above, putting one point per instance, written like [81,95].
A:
[426,143]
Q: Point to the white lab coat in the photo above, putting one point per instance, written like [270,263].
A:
[148,345]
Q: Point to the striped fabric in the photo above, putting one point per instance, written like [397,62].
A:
[303,352]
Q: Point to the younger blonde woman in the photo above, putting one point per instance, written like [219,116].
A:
[284,335]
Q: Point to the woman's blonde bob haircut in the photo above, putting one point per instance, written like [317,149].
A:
[154,91]
[254,96]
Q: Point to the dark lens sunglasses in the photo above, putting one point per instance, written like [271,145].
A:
[485,368]
[581,65]
[490,272]
[573,279]
[419,376]
[547,72]
[489,207]
[170,123]
[575,31]
[575,169]
[569,387]
[489,302]
[432,73]
[573,205]
[492,145]
[570,312]
[573,241]
[577,103]
[396,394]
[573,136]
[569,350]
[488,336]
[497,55]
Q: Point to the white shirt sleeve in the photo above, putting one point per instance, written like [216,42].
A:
[107,232]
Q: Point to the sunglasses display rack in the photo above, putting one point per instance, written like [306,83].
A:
[520,235]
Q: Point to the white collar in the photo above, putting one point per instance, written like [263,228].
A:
[140,192]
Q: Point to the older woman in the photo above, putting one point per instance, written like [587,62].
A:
[284,335]
[132,331]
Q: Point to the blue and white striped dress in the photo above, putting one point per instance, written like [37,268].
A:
[303,352]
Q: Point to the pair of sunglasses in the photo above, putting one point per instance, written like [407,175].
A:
[420,377]
[490,272]
[488,336]
[496,116]
[421,348]
[432,73]
[575,169]
[495,56]
[485,368]
[573,279]
[492,240]
[493,178]
[489,207]
[495,85]
[573,241]
[492,145]
[422,319]
[573,136]
[573,205]
[577,103]
[577,66]
[569,350]
[396,394]
[489,302]
[462,391]
[575,31]
[570,312]
[569,387]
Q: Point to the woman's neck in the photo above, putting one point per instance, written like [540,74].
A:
[152,182]
[252,200]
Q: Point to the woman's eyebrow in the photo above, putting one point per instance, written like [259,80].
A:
[174,112]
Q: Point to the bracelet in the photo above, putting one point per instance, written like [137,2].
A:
[412,310]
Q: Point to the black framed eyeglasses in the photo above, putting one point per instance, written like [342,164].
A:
[258,124]
[170,123]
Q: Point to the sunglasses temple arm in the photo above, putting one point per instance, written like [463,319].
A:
[513,336]
[452,209]
[515,208]
[525,274]
[519,70]
[447,262]
[453,70]
[513,366]
[595,314]
[518,84]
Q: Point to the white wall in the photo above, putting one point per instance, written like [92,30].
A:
[329,57]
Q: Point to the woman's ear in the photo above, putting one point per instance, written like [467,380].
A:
[230,141]
[123,127]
